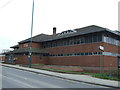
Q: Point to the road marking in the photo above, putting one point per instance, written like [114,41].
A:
[21,83]
[45,84]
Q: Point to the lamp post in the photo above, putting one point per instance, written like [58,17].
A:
[30,50]
[101,60]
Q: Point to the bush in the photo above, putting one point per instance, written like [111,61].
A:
[109,75]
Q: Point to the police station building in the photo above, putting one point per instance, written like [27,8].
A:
[89,47]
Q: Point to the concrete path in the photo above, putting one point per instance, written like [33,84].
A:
[74,77]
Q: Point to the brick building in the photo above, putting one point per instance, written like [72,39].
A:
[2,58]
[89,47]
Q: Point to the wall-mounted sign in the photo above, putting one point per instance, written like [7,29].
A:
[101,48]
[25,45]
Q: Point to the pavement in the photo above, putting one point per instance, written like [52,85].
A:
[80,78]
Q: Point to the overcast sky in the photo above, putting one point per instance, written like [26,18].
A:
[15,17]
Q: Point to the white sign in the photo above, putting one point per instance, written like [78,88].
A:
[101,47]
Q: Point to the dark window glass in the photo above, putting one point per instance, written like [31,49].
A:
[86,53]
[75,54]
[61,54]
[95,53]
[68,54]
[65,54]
[71,42]
[94,38]
[86,39]
[99,53]
[99,38]
[82,54]
[65,43]
[78,41]
[82,40]
[90,39]
[75,40]
[90,53]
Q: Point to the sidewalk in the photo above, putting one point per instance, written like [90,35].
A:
[74,77]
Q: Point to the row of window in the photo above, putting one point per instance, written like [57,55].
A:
[111,40]
[86,54]
[77,54]
[74,40]
[111,54]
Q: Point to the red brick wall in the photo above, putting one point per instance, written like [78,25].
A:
[36,45]
[111,48]
[75,60]
[27,45]
[35,60]
[110,61]
[87,62]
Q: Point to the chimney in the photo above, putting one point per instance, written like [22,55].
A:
[54,30]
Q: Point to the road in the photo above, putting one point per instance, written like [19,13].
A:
[15,78]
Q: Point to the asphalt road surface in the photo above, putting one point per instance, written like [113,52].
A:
[15,78]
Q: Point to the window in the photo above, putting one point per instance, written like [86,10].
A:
[78,41]
[68,54]
[58,54]
[61,54]
[95,53]
[111,40]
[82,40]
[78,54]
[86,53]
[99,53]
[90,39]
[82,54]
[86,39]
[90,53]
[99,38]
[71,42]
[64,43]
[75,54]
[94,38]
[75,41]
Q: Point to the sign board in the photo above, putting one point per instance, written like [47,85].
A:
[101,48]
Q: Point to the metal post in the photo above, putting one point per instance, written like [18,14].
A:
[30,51]
[101,60]
[101,63]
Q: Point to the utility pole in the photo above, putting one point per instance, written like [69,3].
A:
[30,51]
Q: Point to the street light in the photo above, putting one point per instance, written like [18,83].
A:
[101,60]
[30,51]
